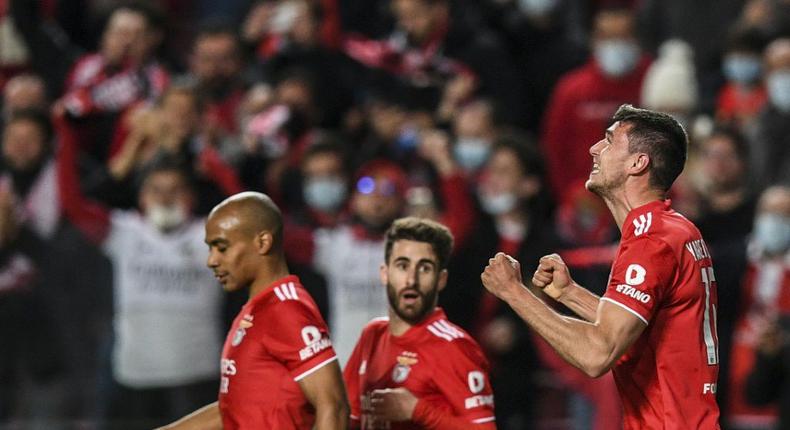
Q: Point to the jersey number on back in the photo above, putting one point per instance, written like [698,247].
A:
[709,319]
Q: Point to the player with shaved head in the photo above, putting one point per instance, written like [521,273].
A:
[279,370]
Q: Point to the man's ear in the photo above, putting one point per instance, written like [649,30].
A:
[442,279]
[383,275]
[263,242]
[639,164]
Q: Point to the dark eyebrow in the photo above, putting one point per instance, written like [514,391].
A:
[216,242]
[421,261]
[609,135]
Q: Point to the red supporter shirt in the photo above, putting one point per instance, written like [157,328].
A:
[663,275]
[278,338]
[436,360]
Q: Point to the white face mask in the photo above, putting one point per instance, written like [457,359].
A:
[166,217]
[471,152]
[772,233]
[325,194]
[498,204]
[778,86]
[617,57]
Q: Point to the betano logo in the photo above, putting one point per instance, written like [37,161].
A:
[633,293]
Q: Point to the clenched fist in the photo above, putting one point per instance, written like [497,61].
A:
[502,275]
[552,276]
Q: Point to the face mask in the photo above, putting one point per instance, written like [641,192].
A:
[617,57]
[407,140]
[166,217]
[772,232]
[537,7]
[471,153]
[778,85]
[498,204]
[325,194]
[742,69]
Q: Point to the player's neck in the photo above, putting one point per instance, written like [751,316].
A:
[397,325]
[623,201]
[268,274]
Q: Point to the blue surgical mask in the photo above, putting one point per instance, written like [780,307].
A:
[471,152]
[325,194]
[778,86]
[617,57]
[772,232]
[407,140]
[537,7]
[498,204]
[743,69]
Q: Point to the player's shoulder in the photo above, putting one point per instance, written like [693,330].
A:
[375,327]
[286,296]
[657,224]
[448,336]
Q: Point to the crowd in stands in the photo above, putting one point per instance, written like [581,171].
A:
[125,122]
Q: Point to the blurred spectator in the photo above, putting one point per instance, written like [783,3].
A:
[670,84]
[584,99]
[543,37]
[769,139]
[33,344]
[167,305]
[102,85]
[475,130]
[508,191]
[447,60]
[726,214]
[173,131]
[703,25]
[297,26]
[766,298]
[215,63]
[24,92]
[743,94]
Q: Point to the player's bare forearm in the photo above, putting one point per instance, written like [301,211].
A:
[590,347]
[582,302]
[324,389]
[205,418]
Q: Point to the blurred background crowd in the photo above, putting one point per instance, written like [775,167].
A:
[124,123]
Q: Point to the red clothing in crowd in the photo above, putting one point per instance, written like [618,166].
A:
[577,116]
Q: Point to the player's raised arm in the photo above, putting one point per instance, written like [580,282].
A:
[324,390]
[205,418]
[591,347]
[552,276]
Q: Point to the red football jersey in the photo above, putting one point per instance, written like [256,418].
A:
[278,338]
[436,360]
[664,276]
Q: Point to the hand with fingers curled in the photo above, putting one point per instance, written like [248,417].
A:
[552,276]
[392,404]
[502,275]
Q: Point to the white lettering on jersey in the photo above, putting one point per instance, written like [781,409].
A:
[477,381]
[286,292]
[635,274]
[444,330]
[310,334]
[698,249]
[709,388]
[633,293]
[477,401]
[312,338]
[227,369]
[643,223]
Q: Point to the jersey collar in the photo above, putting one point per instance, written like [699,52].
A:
[419,329]
[633,216]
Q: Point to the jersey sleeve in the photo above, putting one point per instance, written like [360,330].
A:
[298,337]
[641,276]
[463,379]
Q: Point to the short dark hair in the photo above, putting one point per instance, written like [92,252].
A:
[421,230]
[661,137]
[217,27]
[165,165]
[149,10]
[328,144]
[735,136]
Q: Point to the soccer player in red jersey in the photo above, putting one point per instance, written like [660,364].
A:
[279,370]
[416,370]
[655,326]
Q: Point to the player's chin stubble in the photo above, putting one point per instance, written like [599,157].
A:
[410,313]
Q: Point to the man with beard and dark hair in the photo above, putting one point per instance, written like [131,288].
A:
[415,369]
[655,327]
